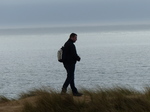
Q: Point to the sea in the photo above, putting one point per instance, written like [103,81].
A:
[111,56]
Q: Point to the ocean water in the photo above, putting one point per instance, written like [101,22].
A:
[28,59]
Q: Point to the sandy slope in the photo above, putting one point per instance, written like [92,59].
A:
[16,106]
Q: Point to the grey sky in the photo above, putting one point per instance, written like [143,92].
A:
[72,12]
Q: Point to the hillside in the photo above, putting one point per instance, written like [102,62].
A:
[100,100]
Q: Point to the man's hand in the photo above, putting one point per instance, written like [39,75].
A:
[78,58]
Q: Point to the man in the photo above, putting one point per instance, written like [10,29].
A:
[69,61]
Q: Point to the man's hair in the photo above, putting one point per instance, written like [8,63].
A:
[72,35]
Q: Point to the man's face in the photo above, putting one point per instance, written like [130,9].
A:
[74,38]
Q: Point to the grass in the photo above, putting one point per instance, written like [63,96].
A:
[101,100]
[3,99]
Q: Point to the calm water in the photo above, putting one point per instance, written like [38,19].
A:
[108,58]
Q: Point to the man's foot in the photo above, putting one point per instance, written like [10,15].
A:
[77,94]
[63,92]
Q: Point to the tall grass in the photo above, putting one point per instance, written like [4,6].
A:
[101,100]
[3,99]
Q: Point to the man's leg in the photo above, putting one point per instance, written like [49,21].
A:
[72,85]
[70,76]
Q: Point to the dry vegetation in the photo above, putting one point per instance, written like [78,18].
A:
[101,100]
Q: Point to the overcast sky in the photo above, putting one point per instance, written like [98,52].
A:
[72,12]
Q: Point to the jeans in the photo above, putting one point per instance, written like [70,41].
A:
[70,68]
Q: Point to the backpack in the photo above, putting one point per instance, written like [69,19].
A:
[60,54]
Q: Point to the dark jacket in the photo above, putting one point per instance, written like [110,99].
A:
[70,53]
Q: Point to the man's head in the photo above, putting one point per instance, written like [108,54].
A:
[73,37]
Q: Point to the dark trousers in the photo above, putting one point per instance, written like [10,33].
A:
[70,68]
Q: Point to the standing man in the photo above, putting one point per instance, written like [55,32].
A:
[70,59]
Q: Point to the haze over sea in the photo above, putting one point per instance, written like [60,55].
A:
[111,55]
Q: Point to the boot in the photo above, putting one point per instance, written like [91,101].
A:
[63,91]
[77,94]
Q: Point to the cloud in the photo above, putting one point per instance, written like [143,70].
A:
[47,12]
